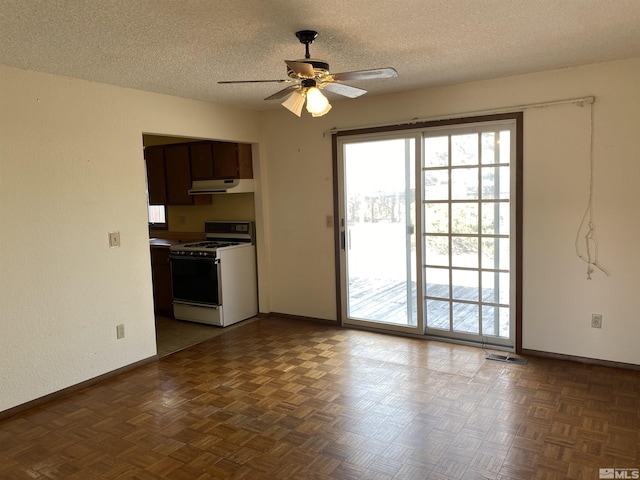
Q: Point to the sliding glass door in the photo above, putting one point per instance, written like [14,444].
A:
[467,254]
[427,231]
[379,240]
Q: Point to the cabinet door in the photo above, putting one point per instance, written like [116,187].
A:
[161,275]
[225,160]
[176,160]
[154,159]
[201,161]
[245,160]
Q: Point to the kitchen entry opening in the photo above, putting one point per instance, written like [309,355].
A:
[429,239]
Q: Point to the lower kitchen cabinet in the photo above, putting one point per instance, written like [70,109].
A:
[161,274]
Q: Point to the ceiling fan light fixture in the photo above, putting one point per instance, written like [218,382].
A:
[317,103]
[304,76]
[294,102]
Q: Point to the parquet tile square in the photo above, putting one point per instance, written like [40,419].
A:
[283,399]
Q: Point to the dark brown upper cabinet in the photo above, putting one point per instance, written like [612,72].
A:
[156,179]
[201,161]
[220,160]
[169,176]
[178,172]
[225,160]
[245,160]
[172,168]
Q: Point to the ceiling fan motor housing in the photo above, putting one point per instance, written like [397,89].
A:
[308,83]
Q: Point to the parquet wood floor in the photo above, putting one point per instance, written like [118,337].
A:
[285,399]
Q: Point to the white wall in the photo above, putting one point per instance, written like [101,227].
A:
[71,170]
[558,299]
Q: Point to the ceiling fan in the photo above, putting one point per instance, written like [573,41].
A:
[308,76]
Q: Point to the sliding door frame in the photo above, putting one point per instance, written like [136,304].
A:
[518,198]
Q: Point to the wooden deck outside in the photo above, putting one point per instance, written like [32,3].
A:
[386,301]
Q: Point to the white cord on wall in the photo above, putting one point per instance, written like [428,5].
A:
[587,250]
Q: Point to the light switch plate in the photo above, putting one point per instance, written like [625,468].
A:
[114,239]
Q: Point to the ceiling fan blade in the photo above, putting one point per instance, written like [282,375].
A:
[254,81]
[304,70]
[344,90]
[366,74]
[283,93]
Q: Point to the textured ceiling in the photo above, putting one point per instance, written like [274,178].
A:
[184,47]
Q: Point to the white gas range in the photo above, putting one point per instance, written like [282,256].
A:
[214,281]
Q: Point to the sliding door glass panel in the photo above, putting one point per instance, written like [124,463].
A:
[467,249]
[380,248]
[465,285]
[465,318]
[438,314]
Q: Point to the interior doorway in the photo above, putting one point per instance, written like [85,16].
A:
[183,223]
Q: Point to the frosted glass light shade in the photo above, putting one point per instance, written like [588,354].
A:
[317,103]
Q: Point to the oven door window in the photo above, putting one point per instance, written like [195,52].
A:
[195,280]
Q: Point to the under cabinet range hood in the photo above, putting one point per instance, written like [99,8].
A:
[208,187]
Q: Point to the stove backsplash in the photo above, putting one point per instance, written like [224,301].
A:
[191,218]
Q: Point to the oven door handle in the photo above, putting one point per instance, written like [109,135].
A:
[193,258]
[197,304]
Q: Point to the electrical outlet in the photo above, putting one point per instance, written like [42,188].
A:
[114,239]
[596,320]
[120,331]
